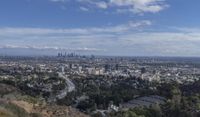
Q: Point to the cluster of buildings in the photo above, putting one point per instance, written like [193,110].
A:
[72,64]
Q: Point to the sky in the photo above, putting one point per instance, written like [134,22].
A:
[100,27]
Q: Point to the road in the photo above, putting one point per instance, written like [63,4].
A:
[69,88]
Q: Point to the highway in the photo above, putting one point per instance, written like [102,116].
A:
[69,88]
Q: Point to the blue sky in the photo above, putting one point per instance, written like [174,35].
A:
[103,27]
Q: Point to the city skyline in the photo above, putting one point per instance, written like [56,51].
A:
[100,27]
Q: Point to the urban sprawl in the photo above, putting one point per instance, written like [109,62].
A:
[107,86]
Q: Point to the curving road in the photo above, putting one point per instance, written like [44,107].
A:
[69,88]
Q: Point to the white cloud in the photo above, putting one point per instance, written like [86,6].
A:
[109,29]
[49,48]
[74,39]
[123,39]
[84,9]
[140,6]
[164,43]
[102,5]
[134,6]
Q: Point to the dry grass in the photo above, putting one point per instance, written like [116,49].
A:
[14,104]
[5,113]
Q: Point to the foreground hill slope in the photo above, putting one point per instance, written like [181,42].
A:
[13,103]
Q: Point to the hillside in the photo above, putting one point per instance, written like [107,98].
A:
[13,103]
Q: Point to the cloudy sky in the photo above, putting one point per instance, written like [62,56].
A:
[102,27]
